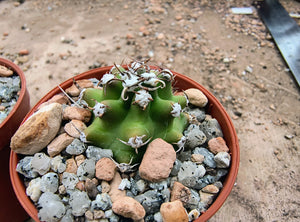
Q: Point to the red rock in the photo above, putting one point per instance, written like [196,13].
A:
[216,145]
[173,211]
[180,192]
[74,112]
[105,169]
[158,161]
[129,208]
[24,52]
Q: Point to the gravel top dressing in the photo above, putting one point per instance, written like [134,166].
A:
[143,153]
[10,86]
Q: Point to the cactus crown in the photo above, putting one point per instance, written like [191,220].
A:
[135,105]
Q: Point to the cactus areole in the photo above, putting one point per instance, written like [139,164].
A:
[135,105]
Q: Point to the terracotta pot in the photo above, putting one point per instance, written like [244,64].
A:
[182,82]
[10,208]
[11,123]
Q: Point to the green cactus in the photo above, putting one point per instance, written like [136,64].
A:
[133,107]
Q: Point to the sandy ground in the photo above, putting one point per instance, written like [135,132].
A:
[233,56]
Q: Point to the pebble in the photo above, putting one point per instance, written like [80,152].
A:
[208,156]
[180,192]
[189,173]
[211,128]
[173,211]
[74,127]
[59,98]
[212,189]
[24,167]
[51,209]
[58,164]
[197,158]
[71,166]
[105,169]
[40,163]
[69,180]
[114,191]
[196,97]
[49,182]
[5,72]
[193,214]
[79,202]
[105,187]
[59,144]
[161,155]
[217,145]
[76,147]
[129,208]
[74,112]
[194,136]
[86,169]
[24,52]
[206,199]
[102,202]
[38,130]
[33,190]
[97,153]
[222,160]
[79,159]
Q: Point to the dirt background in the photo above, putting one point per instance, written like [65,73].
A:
[233,56]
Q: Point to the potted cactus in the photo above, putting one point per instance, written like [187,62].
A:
[132,106]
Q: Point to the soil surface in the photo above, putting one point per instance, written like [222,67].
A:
[231,55]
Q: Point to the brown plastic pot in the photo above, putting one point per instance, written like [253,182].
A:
[182,82]
[10,207]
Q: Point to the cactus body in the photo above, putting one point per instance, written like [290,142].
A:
[132,108]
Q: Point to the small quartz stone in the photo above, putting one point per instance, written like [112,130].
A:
[79,202]
[49,182]
[86,169]
[222,159]
[34,189]
[76,147]
[97,153]
[208,156]
[24,167]
[52,208]
[57,164]
[102,202]
[189,173]
[194,136]
[69,180]
[40,163]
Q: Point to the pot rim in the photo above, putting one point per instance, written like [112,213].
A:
[19,72]
[230,178]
